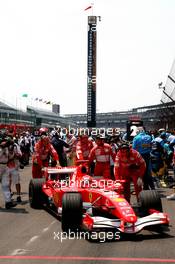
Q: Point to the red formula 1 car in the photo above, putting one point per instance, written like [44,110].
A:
[94,203]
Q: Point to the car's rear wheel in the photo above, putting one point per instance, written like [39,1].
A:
[72,211]
[36,196]
[150,199]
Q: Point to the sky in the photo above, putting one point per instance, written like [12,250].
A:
[43,52]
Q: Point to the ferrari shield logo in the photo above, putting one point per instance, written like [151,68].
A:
[56,197]
[90,197]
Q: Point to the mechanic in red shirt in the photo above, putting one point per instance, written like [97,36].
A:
[101,153]
[83,147]
[43,151]
[129,166]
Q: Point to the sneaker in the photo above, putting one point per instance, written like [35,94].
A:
[19,199]
[171,197]
[163,183]
[9,205]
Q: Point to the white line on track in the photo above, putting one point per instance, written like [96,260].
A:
[47,228]
[31,240]
[19,251]
[22,251]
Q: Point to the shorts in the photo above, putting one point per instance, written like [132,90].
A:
[14,175]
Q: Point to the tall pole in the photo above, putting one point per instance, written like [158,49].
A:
[91,71]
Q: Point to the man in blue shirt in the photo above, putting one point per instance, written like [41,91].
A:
[142,143]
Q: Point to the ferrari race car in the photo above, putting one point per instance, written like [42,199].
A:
[94,203]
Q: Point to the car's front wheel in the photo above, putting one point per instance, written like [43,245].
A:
[36,196]
[72,211]
[150,199]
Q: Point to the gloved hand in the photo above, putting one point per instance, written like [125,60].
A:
[139,182]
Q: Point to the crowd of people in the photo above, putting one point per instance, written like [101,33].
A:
[144,160]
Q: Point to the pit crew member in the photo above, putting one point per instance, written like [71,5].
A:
[43,152]
[83,147]
[101,153]
[129,166]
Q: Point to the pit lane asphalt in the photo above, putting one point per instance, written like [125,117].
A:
[34,235]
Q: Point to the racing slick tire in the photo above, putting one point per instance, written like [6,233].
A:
[150,199]
[36,196]
[72,211]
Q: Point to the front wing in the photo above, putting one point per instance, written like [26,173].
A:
[90,223]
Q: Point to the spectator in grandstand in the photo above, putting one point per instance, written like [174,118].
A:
[142,143]
[43,152]
[4,172]
[101,153]
[129,166]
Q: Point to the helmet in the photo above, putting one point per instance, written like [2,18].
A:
[43,131]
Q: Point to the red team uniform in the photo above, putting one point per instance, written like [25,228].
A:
[83,148]
[129,166]
[43,151]
[101,153]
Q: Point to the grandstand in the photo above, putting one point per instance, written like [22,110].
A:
[33,117]
[10,115]
[153,117]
